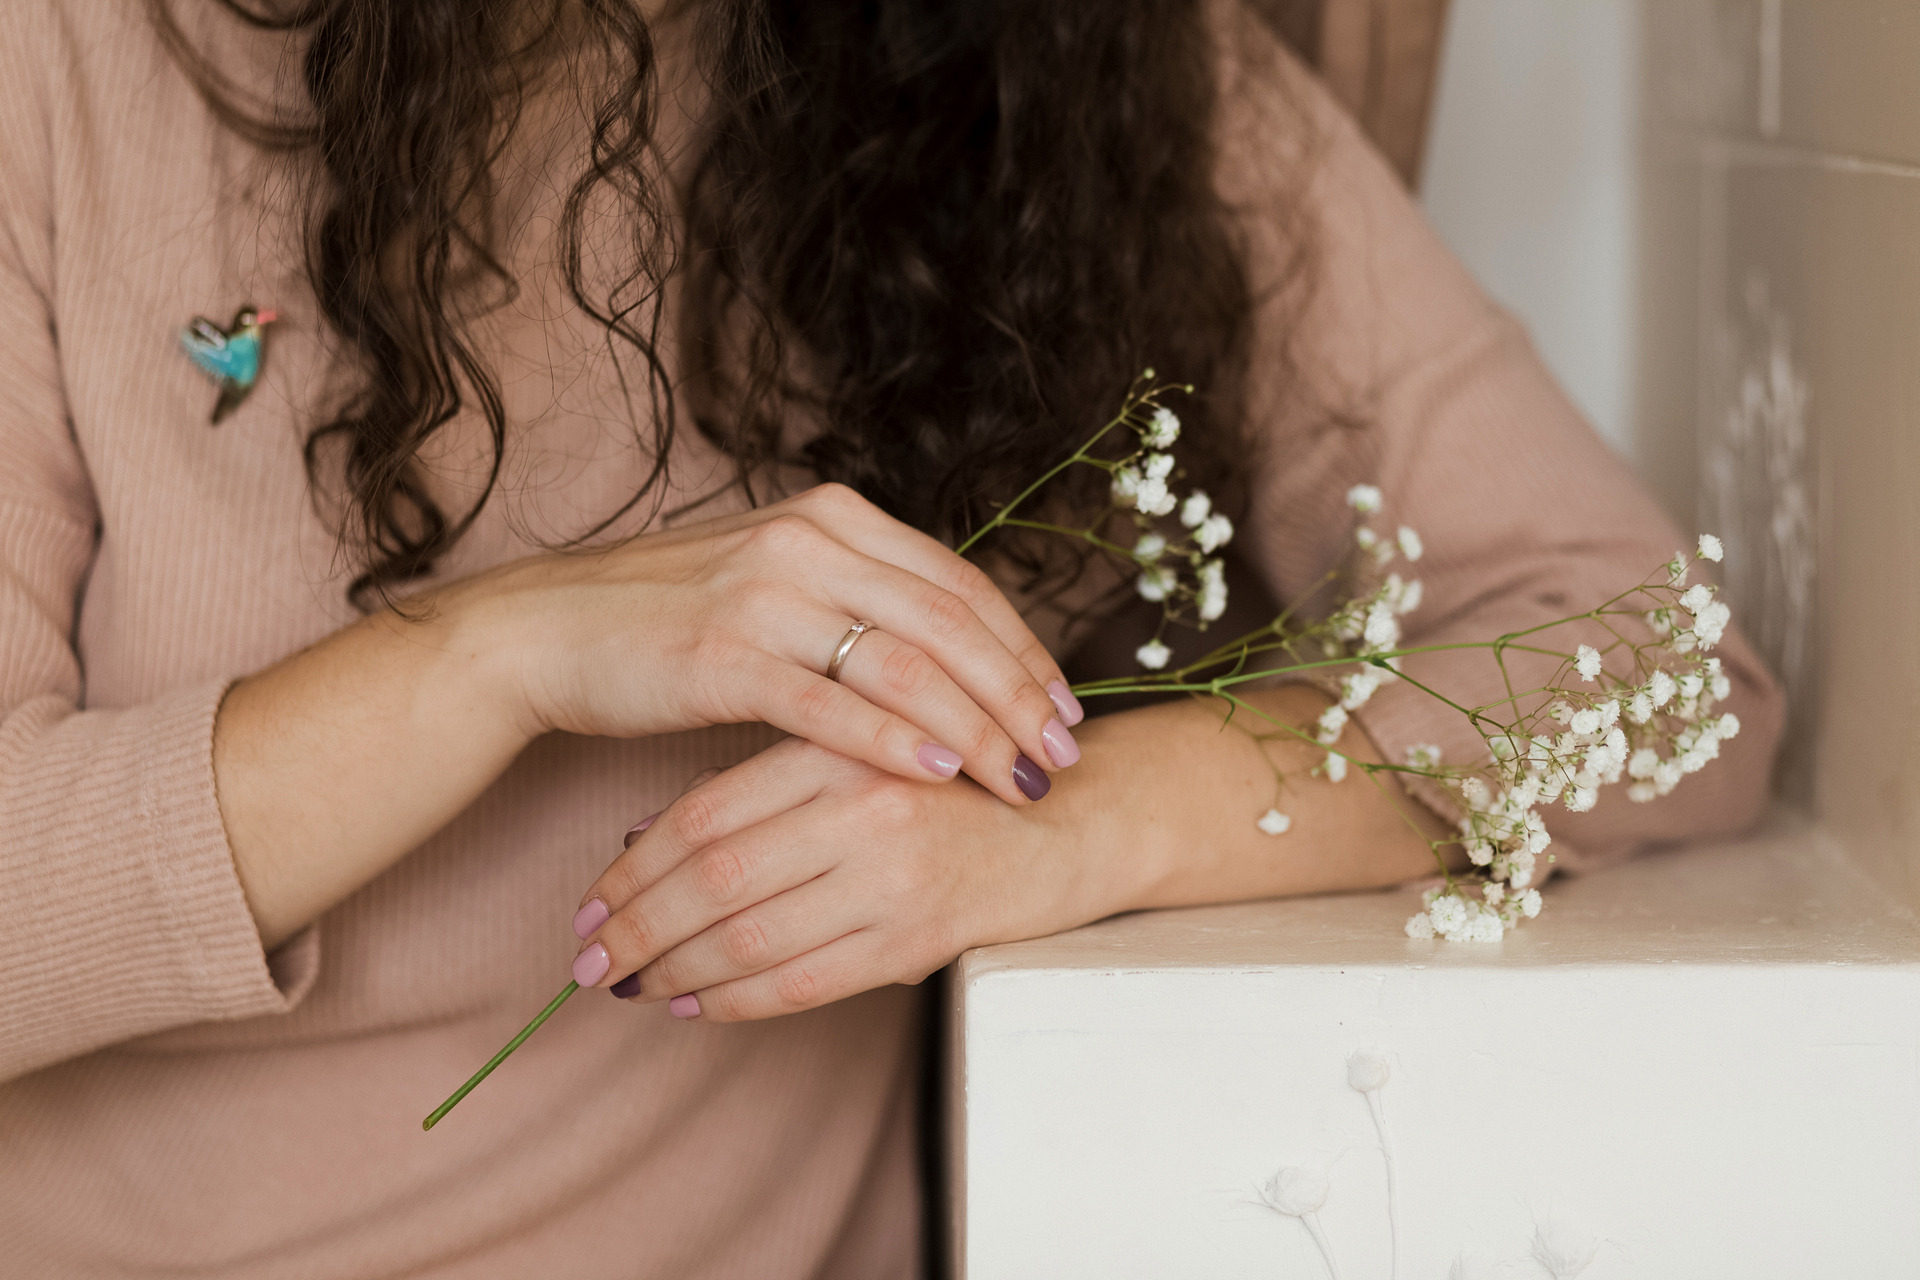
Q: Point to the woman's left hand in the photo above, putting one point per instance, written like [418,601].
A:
[800,877]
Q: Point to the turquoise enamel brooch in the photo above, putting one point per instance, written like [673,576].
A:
[231,357]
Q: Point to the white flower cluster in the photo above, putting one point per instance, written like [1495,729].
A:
[1184,568]
[1654,730]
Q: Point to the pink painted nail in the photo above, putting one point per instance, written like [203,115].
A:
[687,1006]
[1061,748]
[633,832]
[591,965]
[1065,703]
[939,761]
[589,918]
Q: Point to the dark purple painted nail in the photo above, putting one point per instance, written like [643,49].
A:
[1030,778]
[628,987]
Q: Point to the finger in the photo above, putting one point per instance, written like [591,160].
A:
[769,932]
[782,777]
[899,677]
[874,533]
[857,962]
[809,706]
[943,626]
[724,877]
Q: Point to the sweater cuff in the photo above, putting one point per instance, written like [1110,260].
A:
[131,918]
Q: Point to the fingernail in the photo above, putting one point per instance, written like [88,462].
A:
[1061,748]
[633,832]
[687,1006]
[1030,778]
[939,761]
[628,987]
[591,965]
[1065,703]
[589,918]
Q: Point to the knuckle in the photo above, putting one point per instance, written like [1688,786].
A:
[628,934]
[815,700]
[971,582]
[796,987]
[834,497]
[699,818]
[743,941]
[906,671]
[948,614]
[785,535]
[722,874]
[889,805]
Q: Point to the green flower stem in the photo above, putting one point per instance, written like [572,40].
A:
[500,1057]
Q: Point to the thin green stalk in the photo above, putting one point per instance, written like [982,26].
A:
[499,1057]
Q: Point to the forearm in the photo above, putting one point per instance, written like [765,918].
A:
[1168,799]
[332,764]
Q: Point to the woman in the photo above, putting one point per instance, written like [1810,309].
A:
[323,725]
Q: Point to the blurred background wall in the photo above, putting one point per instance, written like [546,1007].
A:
[1708,214]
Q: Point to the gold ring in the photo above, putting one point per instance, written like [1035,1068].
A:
[847,642]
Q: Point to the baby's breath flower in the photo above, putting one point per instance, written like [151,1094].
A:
[1152,655]
[1710,548]
[1214,532]
[1493,892]
[1149,547]
[1420,927]
[1529,900]
[1195,508]
[1154,498]
[1587,662]
[1677,569]
[1424,755]
[1729,726]
[1585,720]
[1126,486]
[1212,601]
[1640,709]
[1382,630]
[1697,597]
[1710,624]
[1335,767]
[1274,822]
[1364,498]
[1661,688]
[1355,689]
[1403,596]
[1156,582]
[1641,792]
[1331,722]
[1449,914]
[1410,545]
[1158,466]
[1162,431]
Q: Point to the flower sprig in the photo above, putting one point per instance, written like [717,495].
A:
[1639,708]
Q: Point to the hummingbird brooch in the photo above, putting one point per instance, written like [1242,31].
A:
[231,357]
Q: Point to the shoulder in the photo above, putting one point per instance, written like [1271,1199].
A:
[1344,266]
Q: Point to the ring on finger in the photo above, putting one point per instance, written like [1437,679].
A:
[847,642]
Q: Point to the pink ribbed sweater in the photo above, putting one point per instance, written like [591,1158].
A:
[175,1102]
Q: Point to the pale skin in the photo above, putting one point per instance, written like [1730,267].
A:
[834,862]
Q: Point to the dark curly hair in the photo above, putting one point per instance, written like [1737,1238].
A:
[945,234]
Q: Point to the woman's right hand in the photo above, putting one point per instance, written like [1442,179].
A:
[736,619]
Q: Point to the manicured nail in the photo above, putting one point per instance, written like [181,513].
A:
[628,987]
[1061,748]
[1029,777]
[591,965]
[589,918]
[633,833]
[1065,703]
[939,761]
[687,1006]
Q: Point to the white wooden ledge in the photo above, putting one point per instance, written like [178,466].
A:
[1703,1064]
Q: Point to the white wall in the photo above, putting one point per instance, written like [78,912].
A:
[1530,178]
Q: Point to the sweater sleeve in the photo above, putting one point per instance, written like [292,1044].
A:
[120,909]
[1390,367]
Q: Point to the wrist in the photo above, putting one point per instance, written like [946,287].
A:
[483,654]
